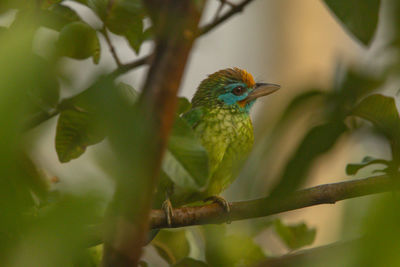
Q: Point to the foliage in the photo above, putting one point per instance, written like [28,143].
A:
[295,236]
[38,229]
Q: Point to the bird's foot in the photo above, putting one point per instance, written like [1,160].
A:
[168,210]
[223,203]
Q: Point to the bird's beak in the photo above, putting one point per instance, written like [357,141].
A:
[262,89]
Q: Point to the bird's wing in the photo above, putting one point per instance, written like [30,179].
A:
[193,116]
[214,143]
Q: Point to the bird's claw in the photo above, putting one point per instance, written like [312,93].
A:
[168,210]
[223,203]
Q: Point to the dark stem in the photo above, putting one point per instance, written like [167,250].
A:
[39,118]
[111,47]
[234,10]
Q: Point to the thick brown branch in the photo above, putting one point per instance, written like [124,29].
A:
[127,220]
[322,194]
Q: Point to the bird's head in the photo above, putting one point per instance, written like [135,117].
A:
[232,89]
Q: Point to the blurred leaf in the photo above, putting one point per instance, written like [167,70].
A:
[186,160]
[183,105]
[316,142]
[353,168]
[172,246]
[351,84]
[143,264]
[57,16]
[57,236]
[122,17]
[360,17]
[48,3]
[34,178]
[45,93]
[382,112]
[78,40]
[301,100]
[295,236]
[90,257]
[76,129]
[260,225]
[230,250]
[189,262]
[380,233]
[80,122]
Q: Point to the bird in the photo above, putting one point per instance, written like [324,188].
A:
[220,118]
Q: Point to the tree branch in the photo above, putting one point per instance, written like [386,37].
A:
[39,118]
[175,23]
[322,194]
[234,10]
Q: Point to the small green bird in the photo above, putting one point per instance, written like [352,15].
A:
[220,118]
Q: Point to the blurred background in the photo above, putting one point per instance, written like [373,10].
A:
[297,44]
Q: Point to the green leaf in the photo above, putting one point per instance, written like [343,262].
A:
[45,93]
[382,112]
[189,262]
[353,168]
[300,101]
[80,122]
[123,17]
[76,129]
[35,179]
[183,105]
[360,17]
[78,40]
[186,160]
[57,16]
[316,142]
[351,84]
[230,250]
[172,245]
[295,236]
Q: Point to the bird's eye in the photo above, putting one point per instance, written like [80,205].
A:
[238,90]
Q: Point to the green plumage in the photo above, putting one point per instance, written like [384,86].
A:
[221,120]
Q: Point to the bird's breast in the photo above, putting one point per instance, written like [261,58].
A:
[228,139]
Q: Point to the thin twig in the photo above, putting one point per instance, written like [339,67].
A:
[124,68]
[39,118]
[111,47]
[234,10]
[202,30]
[221,6]
[322,194]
